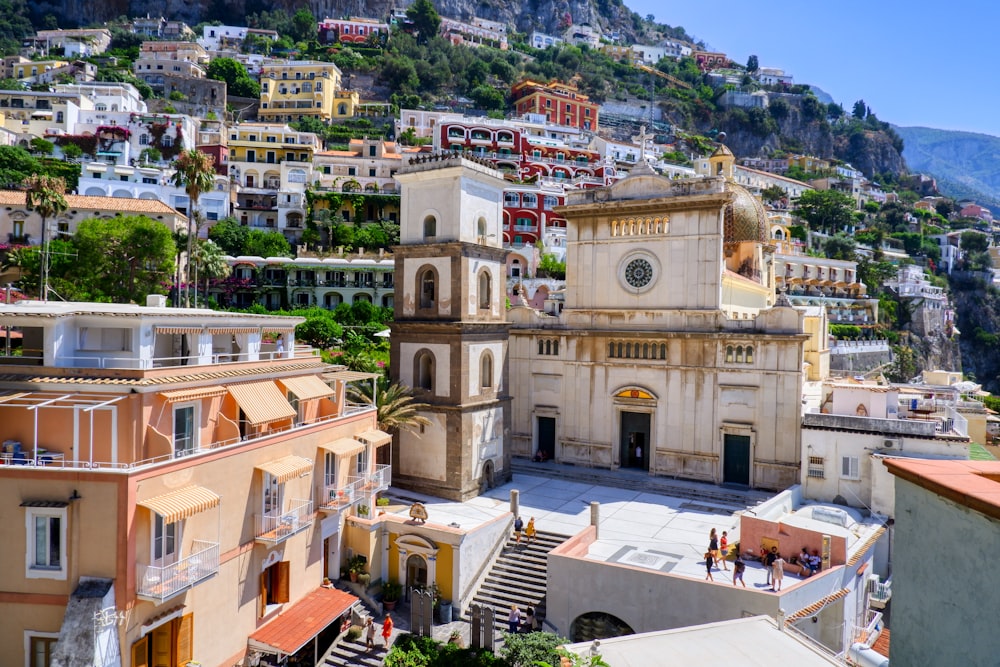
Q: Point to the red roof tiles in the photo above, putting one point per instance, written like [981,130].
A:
[974,484]
[298,624]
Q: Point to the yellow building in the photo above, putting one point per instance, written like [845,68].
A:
[175,485]
[36,67]
[297,89]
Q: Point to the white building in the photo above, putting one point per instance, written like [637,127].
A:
[540,40]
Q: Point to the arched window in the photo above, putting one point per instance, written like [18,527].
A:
[555,347]
[729,354]
[430,226]
[749,354]
[428,289]
[481,229]
[548,347]
[739,354]
[424,371]
[628,350]
[645,351]
[620,351]
[541,347]
[611,350]
[663,351]
[485,290]
[486,370]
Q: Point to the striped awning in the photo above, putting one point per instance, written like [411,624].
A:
[277,329]
[193,394]
[344,447]
[177,330]
[286,468]
[349,376]
[182,503]
[232,330]
[307,387]
[376,437]
[262,402]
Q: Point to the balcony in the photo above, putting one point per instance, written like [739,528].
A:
[338,498]
[160,583]
[276,527]
[879,592]
[378,480]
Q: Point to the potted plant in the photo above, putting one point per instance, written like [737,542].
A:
[363,510]
[382,502]
[356,566]
[391,590]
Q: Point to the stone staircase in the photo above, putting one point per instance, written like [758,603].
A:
[518,577]
[346,653]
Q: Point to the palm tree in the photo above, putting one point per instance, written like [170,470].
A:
[209,261]
[195,173]
[396,407]
[46,195]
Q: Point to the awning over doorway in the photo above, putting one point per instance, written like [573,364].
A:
[193,394]
[296,626]
[262,402]
[344,447]
[376,437]
[307,387]
[286,468]
[182,503]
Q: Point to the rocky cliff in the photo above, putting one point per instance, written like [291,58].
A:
[978,317]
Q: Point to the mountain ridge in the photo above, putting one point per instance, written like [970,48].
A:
[963,163]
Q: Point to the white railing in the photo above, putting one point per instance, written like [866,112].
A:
[134,363]
[381,478]
[279,526]
[869,632]
[162,582]
[879,592]
[339,497]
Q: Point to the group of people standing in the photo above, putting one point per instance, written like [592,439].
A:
[515,622]
[718,552]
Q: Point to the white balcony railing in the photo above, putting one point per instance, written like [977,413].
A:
[337,498]
[879,592]
[870,631]
[160,582]
[381,478]
[275,527]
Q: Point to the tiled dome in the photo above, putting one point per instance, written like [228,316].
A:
[746,219]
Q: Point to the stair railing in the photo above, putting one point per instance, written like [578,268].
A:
[487,566]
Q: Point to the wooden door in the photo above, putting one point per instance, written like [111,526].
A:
[162,641]
[140,653]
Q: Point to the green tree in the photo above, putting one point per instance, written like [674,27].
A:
[550,266]
[397,409]
[46,196]
[209,263]
[16,164]
[267,244]
[425,20]
[42,146]
[974,242]
[196,174]
[825,210]
[860,110]
[125,258]
[840,246]
[230,236]
[238,81]
[319,329]
[773,193]
[527,650]
[945,207]
[304,25]
[753,64]
[834,111]
[71,151]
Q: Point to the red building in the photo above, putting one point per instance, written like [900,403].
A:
[527,212]
[561,103]
[352,31]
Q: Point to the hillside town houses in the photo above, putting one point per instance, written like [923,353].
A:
[204,488]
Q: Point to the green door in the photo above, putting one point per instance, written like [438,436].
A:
[736,459]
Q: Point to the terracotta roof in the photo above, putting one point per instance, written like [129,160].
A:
[299,623]
[974,484]
[881,645]
[116,204]
[815,606]
[864,547]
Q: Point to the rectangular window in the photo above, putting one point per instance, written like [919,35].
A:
[46,539]
[185,429]
[41,650]
[849,467]
[273,586]
[816,467]
[251,156]
[273,494]
[371,151]
[166,542]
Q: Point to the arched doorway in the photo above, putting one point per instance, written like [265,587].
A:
[486,480]
[416,572]
[597,625]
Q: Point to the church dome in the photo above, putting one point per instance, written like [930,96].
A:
[746,219]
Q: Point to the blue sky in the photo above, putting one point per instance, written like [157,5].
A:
[914,63]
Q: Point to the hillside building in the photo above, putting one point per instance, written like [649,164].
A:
[560,103]
[291,90]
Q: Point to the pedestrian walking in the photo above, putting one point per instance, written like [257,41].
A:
[738,568]
[529,619]
[724,549]
[713,546]
[387,629]
[518,527]
[514,619]
[778,573]
[370,634]
[529,530]
[708,566]
[769,564]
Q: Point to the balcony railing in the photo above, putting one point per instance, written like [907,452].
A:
[158,583]
[380,479]
[339,497]
[275,527]
[879,592]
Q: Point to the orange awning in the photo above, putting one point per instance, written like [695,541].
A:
[232,330]
[286,468]
[262,402]
[177,330]
[350,376]
[375,437]
[307,387]
[192,394]
[344,447]
[297,625]
[182,503]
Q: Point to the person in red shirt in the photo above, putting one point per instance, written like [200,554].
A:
[387,629]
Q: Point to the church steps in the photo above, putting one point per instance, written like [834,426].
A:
[355,653]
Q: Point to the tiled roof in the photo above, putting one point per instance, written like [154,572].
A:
[881,645]
[973,484]
[115,204]
[305,619]
[815,606]
[864,547]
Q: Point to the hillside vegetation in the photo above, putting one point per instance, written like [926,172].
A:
[964,163]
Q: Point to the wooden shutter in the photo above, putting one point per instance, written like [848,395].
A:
[262,600]
[140,653]
[184,640]
[281,586]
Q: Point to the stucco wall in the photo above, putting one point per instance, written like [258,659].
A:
[943,592]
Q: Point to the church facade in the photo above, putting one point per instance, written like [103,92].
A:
[672,353]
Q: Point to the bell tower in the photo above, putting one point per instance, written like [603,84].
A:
[449,337]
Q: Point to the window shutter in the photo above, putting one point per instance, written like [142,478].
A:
[281,587]
[140,653]
[184,641]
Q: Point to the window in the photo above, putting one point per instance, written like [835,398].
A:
[849,467]
[46,538]
[251,156]
[185,429]
[166,542]
[485,290]
[430,226]
[273,586]
[427,285]
[40,650]
[816,467]
[425,371]
[274,492]
[550,347]
[486,370]
[143,139]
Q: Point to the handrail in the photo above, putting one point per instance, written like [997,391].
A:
[162,582]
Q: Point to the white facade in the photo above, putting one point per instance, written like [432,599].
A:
[540,40]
